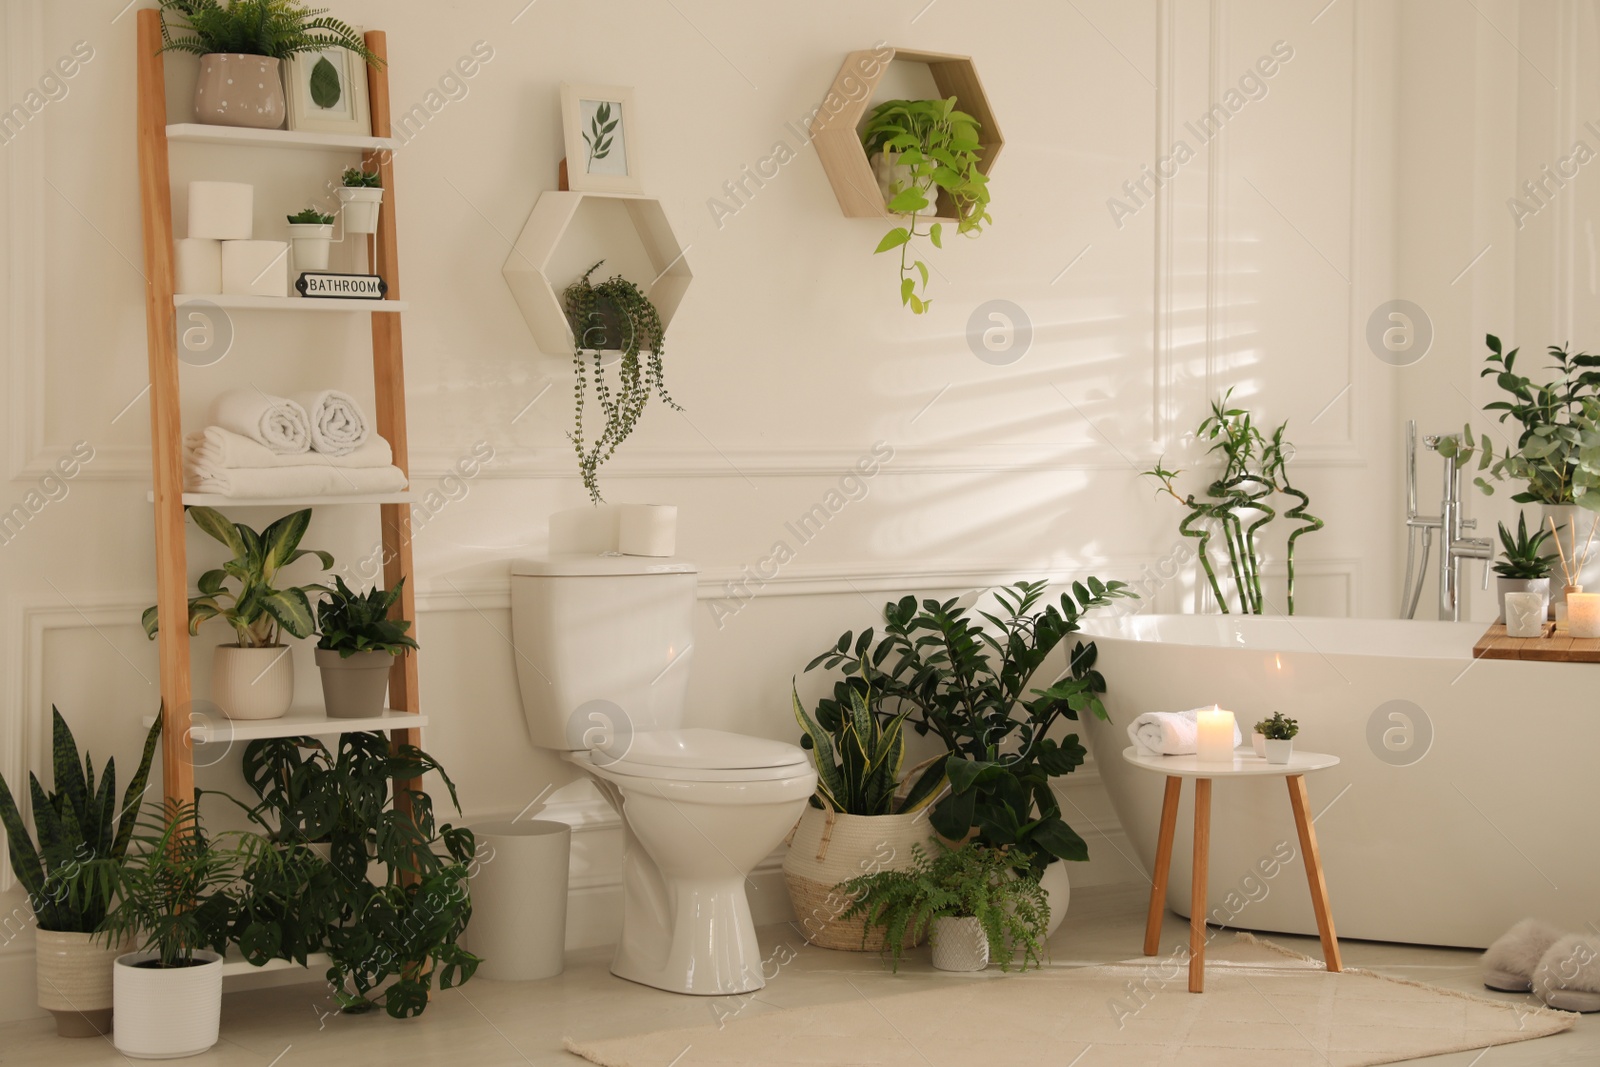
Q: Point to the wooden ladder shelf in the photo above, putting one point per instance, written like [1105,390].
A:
[155,189]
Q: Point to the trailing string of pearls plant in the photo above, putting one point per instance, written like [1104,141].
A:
[610,316]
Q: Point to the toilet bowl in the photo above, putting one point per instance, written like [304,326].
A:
[603,645]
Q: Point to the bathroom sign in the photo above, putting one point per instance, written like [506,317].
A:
[326,284]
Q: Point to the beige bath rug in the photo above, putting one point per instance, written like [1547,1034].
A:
[1263,1005]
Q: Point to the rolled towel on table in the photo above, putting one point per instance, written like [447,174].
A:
[214,448]
[307,480]
[274,422]
[338,425]
[1170,733]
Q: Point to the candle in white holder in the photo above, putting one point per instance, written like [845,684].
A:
[1583,614]
[1524,615]
[1215,735]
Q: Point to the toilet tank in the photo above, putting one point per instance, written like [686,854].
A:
[601,628]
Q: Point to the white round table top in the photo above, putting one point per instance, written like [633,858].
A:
[1245,763]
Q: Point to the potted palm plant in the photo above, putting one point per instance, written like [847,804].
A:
[921,150]
[357,645]
[864,816]
[972,901]
[241,44]
[310,235]
[173,899]
[1279,733]
[253,678]
[361,199]
[78,823]
[1525,569]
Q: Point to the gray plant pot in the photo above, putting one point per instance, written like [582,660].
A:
[354,687]
[1522,585]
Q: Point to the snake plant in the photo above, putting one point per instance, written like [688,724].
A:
[78,823]
[859,754]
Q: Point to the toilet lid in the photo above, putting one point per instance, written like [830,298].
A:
[706,755]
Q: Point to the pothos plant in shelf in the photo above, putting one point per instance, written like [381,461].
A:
[1237,502]
[606,318]
[918,149]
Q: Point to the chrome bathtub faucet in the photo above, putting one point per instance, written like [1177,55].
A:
[1453,547]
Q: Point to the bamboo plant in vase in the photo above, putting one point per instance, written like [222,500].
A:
[253,678]
[615,329]
[1525,569]
[79,823]
[865,815]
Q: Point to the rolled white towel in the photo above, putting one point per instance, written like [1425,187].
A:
[338,425]
[214,448]
[274,422]
[309,480]
[1171,733]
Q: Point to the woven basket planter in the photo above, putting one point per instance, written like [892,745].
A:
[827,848]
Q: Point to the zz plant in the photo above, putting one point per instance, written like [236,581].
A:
[606,316]
[275,28]
[257,609]
[936,148]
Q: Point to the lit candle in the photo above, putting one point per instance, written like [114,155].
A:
[1215,738]
[1583,614]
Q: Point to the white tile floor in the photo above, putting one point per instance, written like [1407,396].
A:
[495,1023]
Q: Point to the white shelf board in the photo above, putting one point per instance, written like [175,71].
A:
[234,964]
[217,500]
[286,303]
[299,722]
[200,133]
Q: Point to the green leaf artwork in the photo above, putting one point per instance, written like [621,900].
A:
[601,133]
[326,90]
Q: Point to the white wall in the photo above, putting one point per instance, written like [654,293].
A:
[1254,268]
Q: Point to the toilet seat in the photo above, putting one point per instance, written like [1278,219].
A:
[700,755]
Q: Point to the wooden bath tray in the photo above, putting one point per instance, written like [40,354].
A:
[1553,647]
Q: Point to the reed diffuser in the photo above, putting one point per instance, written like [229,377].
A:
[1570,570]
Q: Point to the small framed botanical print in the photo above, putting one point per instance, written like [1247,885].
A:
[328,92]
[598,123]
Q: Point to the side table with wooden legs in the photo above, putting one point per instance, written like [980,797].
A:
[1245,764]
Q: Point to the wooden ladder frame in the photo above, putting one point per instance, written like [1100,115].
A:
[166,432]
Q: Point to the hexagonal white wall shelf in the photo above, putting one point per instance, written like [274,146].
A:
[568,232]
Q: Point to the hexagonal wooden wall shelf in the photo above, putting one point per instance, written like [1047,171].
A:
[835,133]
[567,232]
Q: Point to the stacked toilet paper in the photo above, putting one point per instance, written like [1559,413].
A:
[219,255]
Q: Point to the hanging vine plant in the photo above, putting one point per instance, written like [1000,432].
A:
[608,317]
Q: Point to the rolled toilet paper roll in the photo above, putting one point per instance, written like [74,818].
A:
[647,530]
[199,265]
[221,211]
[255,268]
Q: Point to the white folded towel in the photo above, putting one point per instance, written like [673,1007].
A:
[308,480]
[338,425]
[214,448]
[273,421]
[1171,733]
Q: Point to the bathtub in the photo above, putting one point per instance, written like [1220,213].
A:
[1466,797]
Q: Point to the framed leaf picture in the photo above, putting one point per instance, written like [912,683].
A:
[598,123]
[327,93]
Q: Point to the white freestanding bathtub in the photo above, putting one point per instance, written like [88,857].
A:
[1466,798]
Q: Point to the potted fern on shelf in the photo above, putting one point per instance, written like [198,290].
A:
[865,815]
[1525,569]
[613,323]
[253,678]
[241,44]
[357,645]
[79,824]
[974,905]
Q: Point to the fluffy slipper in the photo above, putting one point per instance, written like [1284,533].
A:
[1509,963]
[1568,978]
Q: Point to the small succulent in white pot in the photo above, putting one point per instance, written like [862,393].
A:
[361,199]
[1524,569]
[1279,732]
[311,236]
[357,645]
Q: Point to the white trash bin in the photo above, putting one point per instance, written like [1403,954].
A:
[519,899]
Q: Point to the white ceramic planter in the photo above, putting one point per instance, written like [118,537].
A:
[828,848]
[1058,891]
[239,90]
[353,687]
[166,1013]
[74,978]
[1279,751]
[360,207]
[1258,742]
[959,944]
[310,242]
[894,177]
[252,683]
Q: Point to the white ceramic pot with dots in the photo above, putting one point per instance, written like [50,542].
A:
[240,90]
